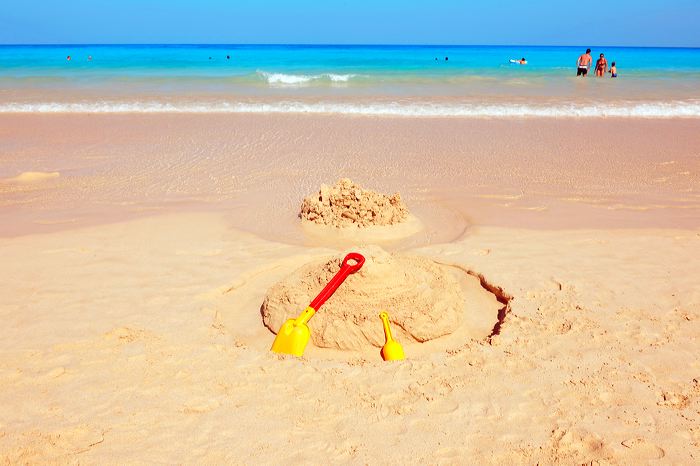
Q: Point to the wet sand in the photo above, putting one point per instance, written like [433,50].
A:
[454,172]
[132,285]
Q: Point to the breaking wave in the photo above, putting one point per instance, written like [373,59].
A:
[300,79]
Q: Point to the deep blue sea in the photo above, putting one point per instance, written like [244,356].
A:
[373,80]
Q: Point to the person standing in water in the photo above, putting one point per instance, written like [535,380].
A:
[600,66]
[613,70]
[584,63]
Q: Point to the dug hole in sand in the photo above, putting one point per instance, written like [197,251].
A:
[432,306]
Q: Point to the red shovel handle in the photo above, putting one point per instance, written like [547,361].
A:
[346,268]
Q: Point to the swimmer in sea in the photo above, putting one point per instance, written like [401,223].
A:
[613,70]
[523,61]
[583,64]
[68,58]
[600,66]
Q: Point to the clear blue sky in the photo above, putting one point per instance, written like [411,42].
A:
[525,22]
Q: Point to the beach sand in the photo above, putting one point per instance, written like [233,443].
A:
[135,267]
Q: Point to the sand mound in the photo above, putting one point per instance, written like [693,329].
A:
[347,204]
[33,177]
[424,299]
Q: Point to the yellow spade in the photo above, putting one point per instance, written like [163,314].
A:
[294,333]
[392,349]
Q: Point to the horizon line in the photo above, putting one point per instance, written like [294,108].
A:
[300,44]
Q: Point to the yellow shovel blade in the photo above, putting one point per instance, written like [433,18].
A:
[293,335]
[392,351]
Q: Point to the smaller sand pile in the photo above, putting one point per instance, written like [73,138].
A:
[347,204]
[424,300]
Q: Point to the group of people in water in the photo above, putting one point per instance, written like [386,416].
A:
[584,62]
[583,65]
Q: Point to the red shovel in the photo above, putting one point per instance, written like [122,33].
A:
[294,333]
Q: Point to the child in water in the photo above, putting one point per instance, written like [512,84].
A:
[613,70]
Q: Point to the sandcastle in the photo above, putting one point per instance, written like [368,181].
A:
[425,300]
[346,205]
[428,302]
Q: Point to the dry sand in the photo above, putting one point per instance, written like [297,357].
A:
[132,330]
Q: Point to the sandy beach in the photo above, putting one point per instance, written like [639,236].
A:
[137,251]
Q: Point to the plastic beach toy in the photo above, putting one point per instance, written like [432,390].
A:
[392,349]
[294,333]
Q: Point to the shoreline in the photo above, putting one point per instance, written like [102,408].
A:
[307,102]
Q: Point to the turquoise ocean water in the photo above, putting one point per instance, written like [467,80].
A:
[374,80]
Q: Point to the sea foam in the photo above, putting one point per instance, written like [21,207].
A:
[301,79]
[671,109]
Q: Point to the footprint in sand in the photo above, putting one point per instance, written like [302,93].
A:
[578,445]
[450,454]
[54,447]
[200,406]
[57,372]
[128,335]
[640,449]
[444,406]
[680,399]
